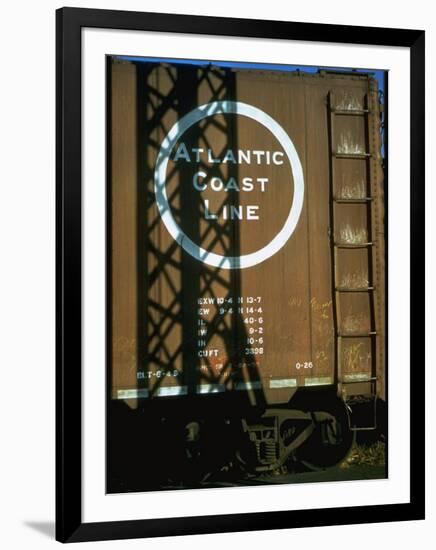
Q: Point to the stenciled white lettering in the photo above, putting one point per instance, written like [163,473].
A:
[218,184]
[240,156]
[231,212]
[202,182]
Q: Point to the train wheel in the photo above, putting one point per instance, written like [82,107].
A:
[331,440]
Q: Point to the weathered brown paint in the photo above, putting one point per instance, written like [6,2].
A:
[296,283]
[123,204]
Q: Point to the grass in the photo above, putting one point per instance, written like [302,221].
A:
[366,455]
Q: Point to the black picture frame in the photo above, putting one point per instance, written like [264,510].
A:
[69,525]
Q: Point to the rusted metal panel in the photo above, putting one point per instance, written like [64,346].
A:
[123,201]
[378,230]
[161,283]
[273,326]
[283,281]
[317,180]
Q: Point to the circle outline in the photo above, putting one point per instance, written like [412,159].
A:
[168,143]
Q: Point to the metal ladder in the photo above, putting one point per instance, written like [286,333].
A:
[336,244]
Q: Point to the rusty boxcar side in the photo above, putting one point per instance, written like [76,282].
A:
[310,315]
[343,182]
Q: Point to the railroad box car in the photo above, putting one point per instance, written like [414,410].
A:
[247,256]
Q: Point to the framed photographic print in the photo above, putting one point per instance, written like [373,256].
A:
[240,252]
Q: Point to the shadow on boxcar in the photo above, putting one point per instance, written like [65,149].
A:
[180,440]
[187,439]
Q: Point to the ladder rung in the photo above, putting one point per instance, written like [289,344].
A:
[350,112]
[352,201]
[350,245]
[351,155]
[357,335]
[350,289]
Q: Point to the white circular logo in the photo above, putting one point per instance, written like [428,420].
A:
[179,128]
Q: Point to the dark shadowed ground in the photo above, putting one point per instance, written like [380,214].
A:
[365,461]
